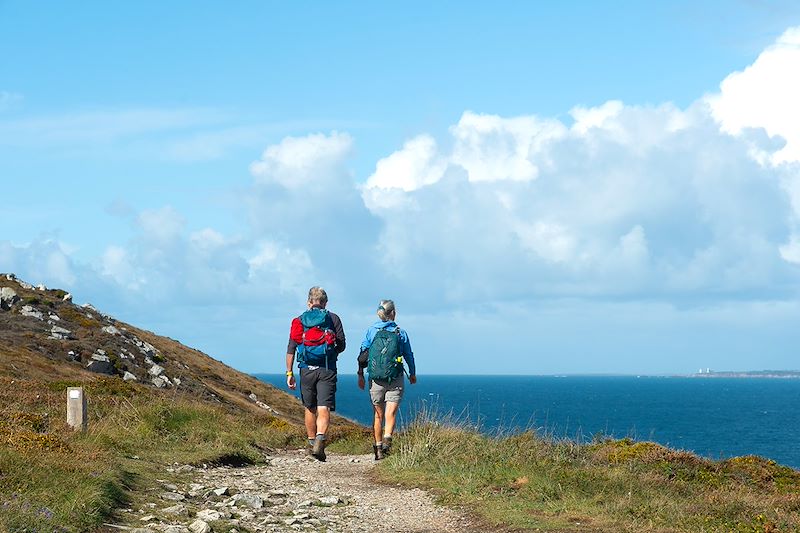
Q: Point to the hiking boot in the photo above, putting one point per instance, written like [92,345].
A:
[318,450]
[378,450]
[386,445]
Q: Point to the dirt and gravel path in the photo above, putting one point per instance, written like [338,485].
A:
[292,492]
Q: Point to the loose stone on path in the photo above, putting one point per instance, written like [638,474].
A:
[294,493]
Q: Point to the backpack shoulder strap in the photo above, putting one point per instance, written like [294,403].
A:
[397,331]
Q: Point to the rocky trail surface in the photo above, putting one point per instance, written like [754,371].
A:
[291,492]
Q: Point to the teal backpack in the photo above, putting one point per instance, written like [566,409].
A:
[385,360]
[315,338]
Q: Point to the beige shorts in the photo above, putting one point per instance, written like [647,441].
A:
[382,391]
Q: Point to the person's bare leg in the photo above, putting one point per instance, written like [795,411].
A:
[391,418]
[319,428]
[377,430]
[323,420]
[311,422]
[377,424]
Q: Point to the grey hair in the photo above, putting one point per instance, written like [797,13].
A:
[317,295]
[386,310]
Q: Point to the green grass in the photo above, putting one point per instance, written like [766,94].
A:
[54,479]
[56,493]
[525,481]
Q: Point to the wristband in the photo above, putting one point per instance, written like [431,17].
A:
[289,373]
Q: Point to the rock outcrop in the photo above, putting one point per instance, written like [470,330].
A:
[82,335]
[45,336]
[8,297]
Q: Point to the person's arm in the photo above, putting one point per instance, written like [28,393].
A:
[290,381]
[338,329]
[408,355]
[363,353]
[362,364]
[366,342]
[363,358]
[291,349]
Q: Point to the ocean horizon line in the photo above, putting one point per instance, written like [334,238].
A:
[750,373]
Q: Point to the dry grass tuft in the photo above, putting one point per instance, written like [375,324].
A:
[31,441]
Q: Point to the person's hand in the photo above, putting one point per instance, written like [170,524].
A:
[290,382]
[412,379]
[361,381]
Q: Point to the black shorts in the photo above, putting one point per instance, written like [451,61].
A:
[318,388]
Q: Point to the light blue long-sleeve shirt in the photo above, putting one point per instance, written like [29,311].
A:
[405,344]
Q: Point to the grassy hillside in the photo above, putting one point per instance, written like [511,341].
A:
[28,350]
[204,412]
[55,479]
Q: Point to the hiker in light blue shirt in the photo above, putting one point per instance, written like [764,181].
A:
[384,349]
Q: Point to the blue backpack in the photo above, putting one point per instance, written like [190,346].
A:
[315,338]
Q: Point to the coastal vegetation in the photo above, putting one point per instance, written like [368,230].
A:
[55,479]
[528,481]
[152,402]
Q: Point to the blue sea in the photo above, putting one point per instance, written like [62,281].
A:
[713,417]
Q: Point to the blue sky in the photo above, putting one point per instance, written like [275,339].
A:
[542,187]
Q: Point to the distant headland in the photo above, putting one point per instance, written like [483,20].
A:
[774,374]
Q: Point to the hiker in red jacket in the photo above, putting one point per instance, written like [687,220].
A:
[317,338]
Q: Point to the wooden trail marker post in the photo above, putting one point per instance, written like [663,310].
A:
[76,408]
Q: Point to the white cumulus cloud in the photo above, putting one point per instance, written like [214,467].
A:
[764,95]
[492,148]
[116,264]
[288,268]
[595,117]
[415,165]
[552,242]
[44,260]
[648,200]
[163,226]
[302,162]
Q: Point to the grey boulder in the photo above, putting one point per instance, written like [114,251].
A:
[8,297]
